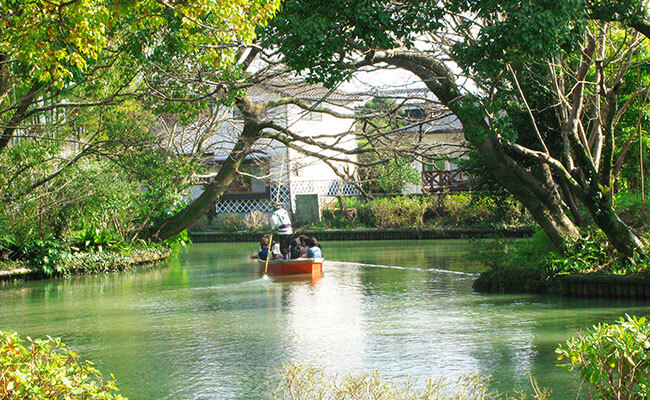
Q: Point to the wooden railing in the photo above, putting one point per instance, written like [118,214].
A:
[442,181]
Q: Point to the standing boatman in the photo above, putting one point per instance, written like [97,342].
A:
[281,226]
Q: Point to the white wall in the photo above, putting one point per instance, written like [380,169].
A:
[329,130]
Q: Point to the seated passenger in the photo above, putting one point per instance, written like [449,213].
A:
[264,247]
[297,250]
[275,252]
[314,248]
[302,239]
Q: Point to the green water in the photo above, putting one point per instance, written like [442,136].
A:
[207,326]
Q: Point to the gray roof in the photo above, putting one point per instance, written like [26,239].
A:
[298,88]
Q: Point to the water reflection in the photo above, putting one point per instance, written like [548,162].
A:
[208,326]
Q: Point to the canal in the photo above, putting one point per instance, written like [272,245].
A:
[206,326]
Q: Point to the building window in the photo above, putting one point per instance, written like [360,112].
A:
[414,114]
[433,164]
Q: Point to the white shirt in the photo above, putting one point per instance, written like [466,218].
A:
[281,222]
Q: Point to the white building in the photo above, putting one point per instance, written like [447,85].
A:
[275,171]
[435,134]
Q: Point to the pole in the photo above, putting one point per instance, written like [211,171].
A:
[268,251]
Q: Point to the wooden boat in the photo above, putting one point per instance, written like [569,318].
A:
[313,266]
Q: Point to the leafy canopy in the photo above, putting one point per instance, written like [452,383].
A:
[56,42]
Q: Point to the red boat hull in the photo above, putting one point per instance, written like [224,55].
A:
[300,266]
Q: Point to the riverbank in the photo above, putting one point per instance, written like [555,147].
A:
[587,267]
[374,234]
[88,263]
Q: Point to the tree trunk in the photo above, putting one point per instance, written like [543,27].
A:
[617,232]
[214,190]
[536,192]
[18,116]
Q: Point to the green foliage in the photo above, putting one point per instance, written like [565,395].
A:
[96,203]
[57,43]
[462,209]
[178,242]
[614,358]
[584,254]
[8,245]
[530,265]
[112,261]
[47,369]
[47,254]
[474,208]
[630,208]
[94,238]
[256,221]
[390,177]
[383,171]
[516,31]
[593,254]
[334,28]
[229,222]
[398,212]
[514,265]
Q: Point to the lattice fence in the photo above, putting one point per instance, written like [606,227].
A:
[329,187]
[248,205]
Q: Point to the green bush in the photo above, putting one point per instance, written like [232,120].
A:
[47,254]
[530,265]
[614,358]
[514,265]
[256,221]
[631,209]
[579,256]
[482,209]
[398,212]
[229,222]
[47,369]
[593,254]
[95,238]
[463,209]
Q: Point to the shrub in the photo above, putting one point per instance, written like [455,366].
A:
[255,221]
[515,265]
[580,255]
[95,238]
[47,369]
[229,222]
[478,208]
[46,254]
[631,209]
[529,265]
[8,246]
[397,212]
[465,209]
[615,358]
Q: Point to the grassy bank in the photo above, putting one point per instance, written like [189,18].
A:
[531,265]
[92,251]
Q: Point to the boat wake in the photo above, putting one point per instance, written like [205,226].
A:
[437,270]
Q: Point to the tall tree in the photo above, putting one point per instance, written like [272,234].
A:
[490,44]
[65,60]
